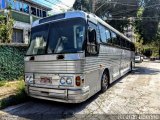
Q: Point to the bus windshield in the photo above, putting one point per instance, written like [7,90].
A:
[57,37]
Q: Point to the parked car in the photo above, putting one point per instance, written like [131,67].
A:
[142,58]
[138,59]
[154,58]
[146,59]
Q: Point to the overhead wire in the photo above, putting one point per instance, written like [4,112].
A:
[125,11]
[114,3]
[57,2]
[49,3]
[115,18]
[151,6]
[63,3]
[136,18]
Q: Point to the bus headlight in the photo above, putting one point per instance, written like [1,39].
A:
[29,78]
[62,81]
[69,81]
[66,81]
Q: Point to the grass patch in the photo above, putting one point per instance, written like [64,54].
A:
[19,97]
[2,83]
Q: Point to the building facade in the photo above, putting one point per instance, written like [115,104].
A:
[24,12]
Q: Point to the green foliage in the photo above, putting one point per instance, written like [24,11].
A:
[119,25]
[18,98]
[6,28]
[3,29]
[152,48]
[82,5]
[2,83]
[116,12]
[11,62]
[139,43]
[113,9]
[148,27]
[149,20]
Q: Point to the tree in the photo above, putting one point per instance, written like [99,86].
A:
[82,5]
[117,12]
[114,12]
[3,29]
[6,27]
[139,43]
[148,25]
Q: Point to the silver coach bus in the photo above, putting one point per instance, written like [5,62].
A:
[74,55]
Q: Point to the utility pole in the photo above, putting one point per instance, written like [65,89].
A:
[92,4]
[79,4]
[158,39]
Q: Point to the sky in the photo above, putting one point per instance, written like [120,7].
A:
[57,5]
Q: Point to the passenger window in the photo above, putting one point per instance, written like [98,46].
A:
[92,25]
[114,38]
[118,40]
[92,45]
[128,45]
[133,47]
[108,36]
[103,33]
[123,43]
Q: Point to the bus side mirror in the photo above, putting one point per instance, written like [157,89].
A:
[92,36]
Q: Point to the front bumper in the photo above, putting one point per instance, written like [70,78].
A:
[59,95]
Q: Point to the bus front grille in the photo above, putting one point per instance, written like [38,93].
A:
[54,67]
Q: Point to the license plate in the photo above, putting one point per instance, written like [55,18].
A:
[46,80]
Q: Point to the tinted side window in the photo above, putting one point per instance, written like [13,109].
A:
[114,38]
[123,42]
[108,36]
[118,40]
[103,33]
[93,26]
[128,45]
[132,47]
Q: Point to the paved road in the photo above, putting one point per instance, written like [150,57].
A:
[135,93]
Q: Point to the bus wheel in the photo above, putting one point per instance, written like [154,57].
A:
[104,82]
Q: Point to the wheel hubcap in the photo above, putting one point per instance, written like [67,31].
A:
[105,80]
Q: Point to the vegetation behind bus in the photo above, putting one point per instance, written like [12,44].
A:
[146,23]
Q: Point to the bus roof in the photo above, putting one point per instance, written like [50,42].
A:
[77,14]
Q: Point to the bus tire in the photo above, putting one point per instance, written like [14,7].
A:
[104,81]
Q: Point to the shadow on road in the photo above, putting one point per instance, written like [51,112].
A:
[49,110]
[145,71]
[46,110]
